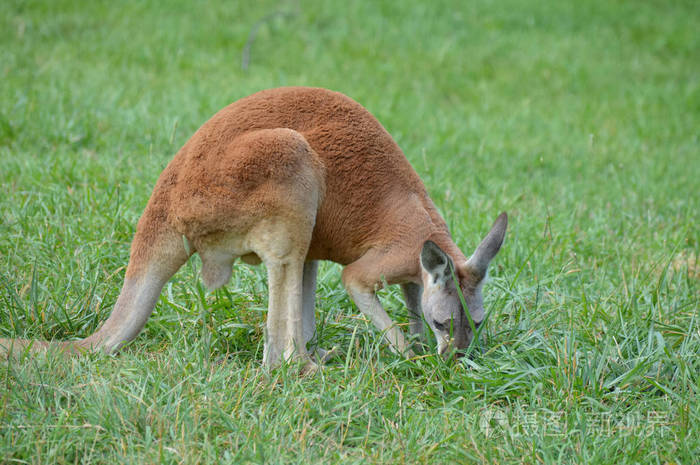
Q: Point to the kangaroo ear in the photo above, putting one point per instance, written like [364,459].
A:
[489,247]
[435,262]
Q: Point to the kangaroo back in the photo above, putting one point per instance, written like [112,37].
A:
[366,172]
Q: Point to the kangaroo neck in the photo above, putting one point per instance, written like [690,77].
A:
[441,234]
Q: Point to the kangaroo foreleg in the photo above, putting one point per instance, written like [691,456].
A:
[362,278]
[371,307]
[412,294]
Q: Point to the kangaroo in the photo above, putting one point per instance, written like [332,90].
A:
[288,177]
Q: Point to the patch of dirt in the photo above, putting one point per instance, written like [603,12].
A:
[686,260]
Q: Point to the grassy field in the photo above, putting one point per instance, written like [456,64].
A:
[581,119]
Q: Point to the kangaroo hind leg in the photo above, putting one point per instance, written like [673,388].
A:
[309,300]
[309,314]
[282,243]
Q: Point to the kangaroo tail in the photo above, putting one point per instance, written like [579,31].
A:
[157,252]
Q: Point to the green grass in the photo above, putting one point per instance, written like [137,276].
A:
[578,118]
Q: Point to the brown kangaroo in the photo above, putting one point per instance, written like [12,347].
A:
[288,177]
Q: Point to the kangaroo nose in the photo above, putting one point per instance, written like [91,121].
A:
[445,347]
[446,351]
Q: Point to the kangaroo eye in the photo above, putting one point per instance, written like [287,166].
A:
[439,326]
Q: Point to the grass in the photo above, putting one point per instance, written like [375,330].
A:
[578,118]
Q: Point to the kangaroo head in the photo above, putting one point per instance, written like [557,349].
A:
[442,307]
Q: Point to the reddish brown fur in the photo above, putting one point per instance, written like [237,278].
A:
[366,174]
[315,167]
